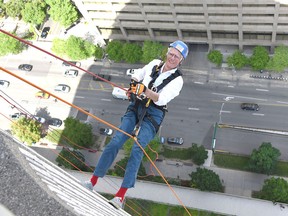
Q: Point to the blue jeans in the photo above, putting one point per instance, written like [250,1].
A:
[145,135]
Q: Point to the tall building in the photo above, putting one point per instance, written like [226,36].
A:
[212,22]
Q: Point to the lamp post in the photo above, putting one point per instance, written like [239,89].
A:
[221,110]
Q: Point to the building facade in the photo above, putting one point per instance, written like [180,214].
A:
[212,22]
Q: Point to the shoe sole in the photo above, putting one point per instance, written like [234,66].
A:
[114,204]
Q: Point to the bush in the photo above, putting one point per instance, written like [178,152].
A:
[216,57]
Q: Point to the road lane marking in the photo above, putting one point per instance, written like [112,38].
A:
[193,108]
[282,102]
[235,96]
[266,90]
[224,111]
[79,96]
[104,99]
[201,83]
[258,114]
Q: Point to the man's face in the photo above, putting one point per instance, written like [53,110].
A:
[174,57]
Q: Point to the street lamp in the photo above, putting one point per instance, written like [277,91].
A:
[221,110]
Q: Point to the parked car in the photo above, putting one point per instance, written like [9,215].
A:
[119,93]
[17,115]
[55,122]
[4,84]
[104,76]
[250,106]
[45,32]
[25,67]
[71,73]
[106,131]
[175,140]
[42,95]
[62,88]
[65,64]
[130,72]
[40,119]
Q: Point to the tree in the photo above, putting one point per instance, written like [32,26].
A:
[151,149]
[216,57]
[132,53]
[274,189]
[78,134]
[264,159]
[27,130]
[205,180]
[54,136]
[13,8]
[63,11]
[59,47]
[71,159]
[115,50]
[237,60]
[259,58]
[199,154]
[153,50]
[34,12]
[9,45]
[119,168]
[279,60]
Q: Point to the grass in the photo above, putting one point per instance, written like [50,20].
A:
[178,153]
[241,163]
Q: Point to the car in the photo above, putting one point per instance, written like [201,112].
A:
[4,84]
[104,76]
[17,115]
[42,95]
[55,122]
[71,73]
[25,67]
[250,106]
[40,119]
[65,64]
[175,140]
[106,131]
[119,93]
[130,72]
[45,32]
[62,88]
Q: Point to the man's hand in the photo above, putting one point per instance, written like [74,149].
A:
[137,88]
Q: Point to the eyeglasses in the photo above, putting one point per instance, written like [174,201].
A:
[174,55]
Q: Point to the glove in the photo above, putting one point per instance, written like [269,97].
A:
[137,89]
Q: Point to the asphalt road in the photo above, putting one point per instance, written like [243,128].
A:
[191,115]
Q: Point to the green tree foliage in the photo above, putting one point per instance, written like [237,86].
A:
[279,60]
[27,130]
[9,45]
[259,58]
[63,11]
[13,8]
[119,168]
[216,57]
[237,59]
[132,53]
[115,50]
[206,180]
[34,12]
[152,149]
[264,159]
[99,52]
[75,48]
[153,50]
[54,136]
[79,134]
[199,154]
[73,160]
[274,189]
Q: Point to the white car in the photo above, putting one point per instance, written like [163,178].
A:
[71,73]
[119,93]
[62,88]
[40,119]
[4,84]
[130,72]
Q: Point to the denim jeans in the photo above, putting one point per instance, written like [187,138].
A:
[145,135]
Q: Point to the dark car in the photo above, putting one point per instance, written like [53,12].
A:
[106,131]
[45,32]
[25,67]
[55,122]
[250,106]
[175,140]
[104,76]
